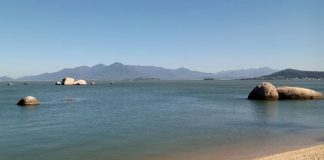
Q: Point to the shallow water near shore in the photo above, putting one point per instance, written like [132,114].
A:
[148,120]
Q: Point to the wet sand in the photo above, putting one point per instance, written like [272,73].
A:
[285,148]
[311,153]
[308,153]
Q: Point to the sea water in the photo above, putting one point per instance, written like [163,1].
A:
[143,120]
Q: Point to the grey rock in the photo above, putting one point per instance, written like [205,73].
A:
[264,91]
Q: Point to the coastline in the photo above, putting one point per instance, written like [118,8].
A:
[267,149]
[312,152]
[309,153]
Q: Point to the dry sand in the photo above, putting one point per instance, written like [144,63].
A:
[311,153]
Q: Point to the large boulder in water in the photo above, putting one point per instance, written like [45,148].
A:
[298,93]
[68,81]
[80,82]
[28,101]
[264,91]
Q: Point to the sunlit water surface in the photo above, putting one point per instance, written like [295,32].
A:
[136,120]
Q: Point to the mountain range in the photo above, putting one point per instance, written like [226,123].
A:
[119,71]
[244,73]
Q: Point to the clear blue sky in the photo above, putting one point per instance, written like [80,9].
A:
[39,36]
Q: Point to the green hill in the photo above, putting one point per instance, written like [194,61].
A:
[293,74]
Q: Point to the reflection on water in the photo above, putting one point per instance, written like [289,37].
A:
[288,115]
[265,110]
[67,99]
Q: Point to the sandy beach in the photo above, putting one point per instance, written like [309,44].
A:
[308,153]
[289,147]
[311,153]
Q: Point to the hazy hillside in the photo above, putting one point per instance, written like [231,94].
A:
[118,71]
[244,73]
[5,78]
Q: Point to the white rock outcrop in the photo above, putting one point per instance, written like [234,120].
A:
[68,81]
[80,82]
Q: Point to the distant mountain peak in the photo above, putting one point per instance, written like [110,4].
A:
[82,67]
[117,64]
[183,69]
[290,69]
[99,66]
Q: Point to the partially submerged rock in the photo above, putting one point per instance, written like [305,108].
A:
[68,81]
[264,91]
[80,82]
[267,91]
[298,93]
[72,81]
[28,101]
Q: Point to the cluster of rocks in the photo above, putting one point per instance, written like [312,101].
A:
[267,91]
[71,81]
[263,91]
[31,101]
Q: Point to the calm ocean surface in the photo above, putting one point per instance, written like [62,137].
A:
[140,120]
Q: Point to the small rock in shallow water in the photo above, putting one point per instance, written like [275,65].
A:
[28,101]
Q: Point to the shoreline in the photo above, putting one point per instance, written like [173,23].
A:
[260,149]
[308,153]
